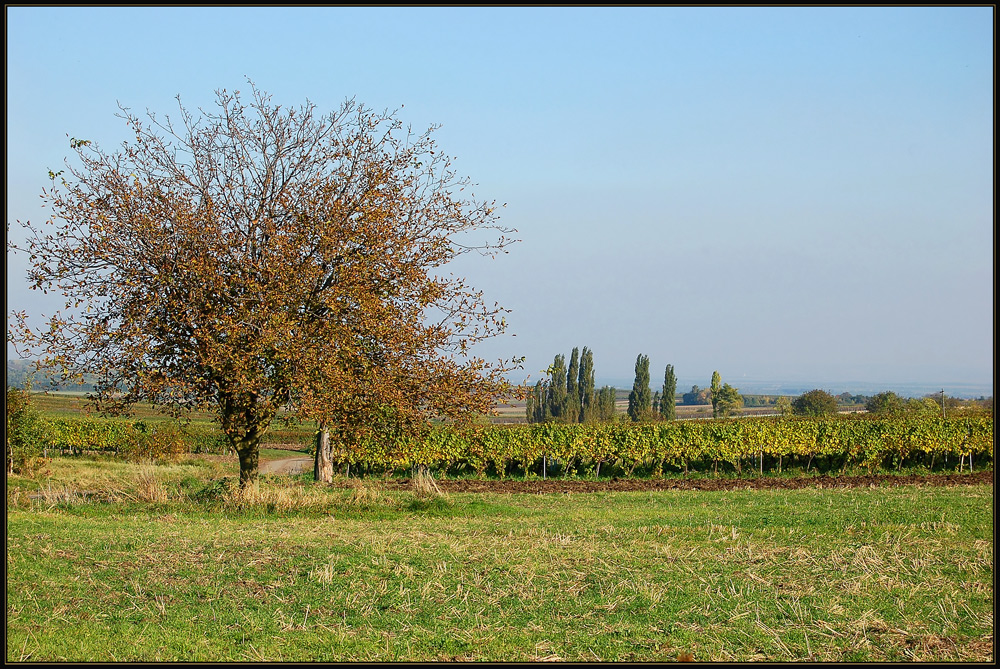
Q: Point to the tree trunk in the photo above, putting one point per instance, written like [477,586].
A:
[244,420]
[323,469]
[248,451]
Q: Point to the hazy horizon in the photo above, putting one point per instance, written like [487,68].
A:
[792,388]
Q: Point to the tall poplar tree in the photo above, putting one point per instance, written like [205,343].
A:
[668,399]
[586,386]
[557,389]
[716,390]
[640,399]
[573,387]
[543,412]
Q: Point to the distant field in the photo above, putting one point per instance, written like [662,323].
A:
[66,404]
[75,403]
[515,412]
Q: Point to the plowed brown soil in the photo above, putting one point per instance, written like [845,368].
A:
[639,485]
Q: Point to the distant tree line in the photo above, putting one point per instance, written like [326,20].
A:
[889,403]
[821,403]
[567,395]
[21,374]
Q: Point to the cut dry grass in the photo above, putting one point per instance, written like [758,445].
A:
[54,494]
[368,495]
[269,496]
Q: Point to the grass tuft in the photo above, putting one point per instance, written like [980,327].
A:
[423,486]
[59,495]
[148,486]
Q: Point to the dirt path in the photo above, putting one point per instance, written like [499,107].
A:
[295,465]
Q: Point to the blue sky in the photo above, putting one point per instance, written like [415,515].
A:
[795,197]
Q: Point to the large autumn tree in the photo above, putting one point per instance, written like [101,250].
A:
[263,260]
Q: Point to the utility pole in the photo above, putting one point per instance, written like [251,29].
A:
[942,404]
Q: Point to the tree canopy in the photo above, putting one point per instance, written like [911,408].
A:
[886,402]
[815,403]
[260,260]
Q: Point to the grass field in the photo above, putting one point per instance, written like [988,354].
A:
[168,563]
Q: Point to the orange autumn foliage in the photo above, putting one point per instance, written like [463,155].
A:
[263,261]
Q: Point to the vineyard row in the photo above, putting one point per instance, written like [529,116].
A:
[863,440]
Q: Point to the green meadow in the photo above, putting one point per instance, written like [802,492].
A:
[117,561]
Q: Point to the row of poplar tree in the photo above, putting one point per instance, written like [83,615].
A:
[642,404]
[568,394]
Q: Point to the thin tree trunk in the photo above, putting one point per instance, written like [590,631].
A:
[323,467]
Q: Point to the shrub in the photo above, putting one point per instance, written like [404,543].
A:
[815,403]
[26,431]
[886,404]
[163,441]
[206,440]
